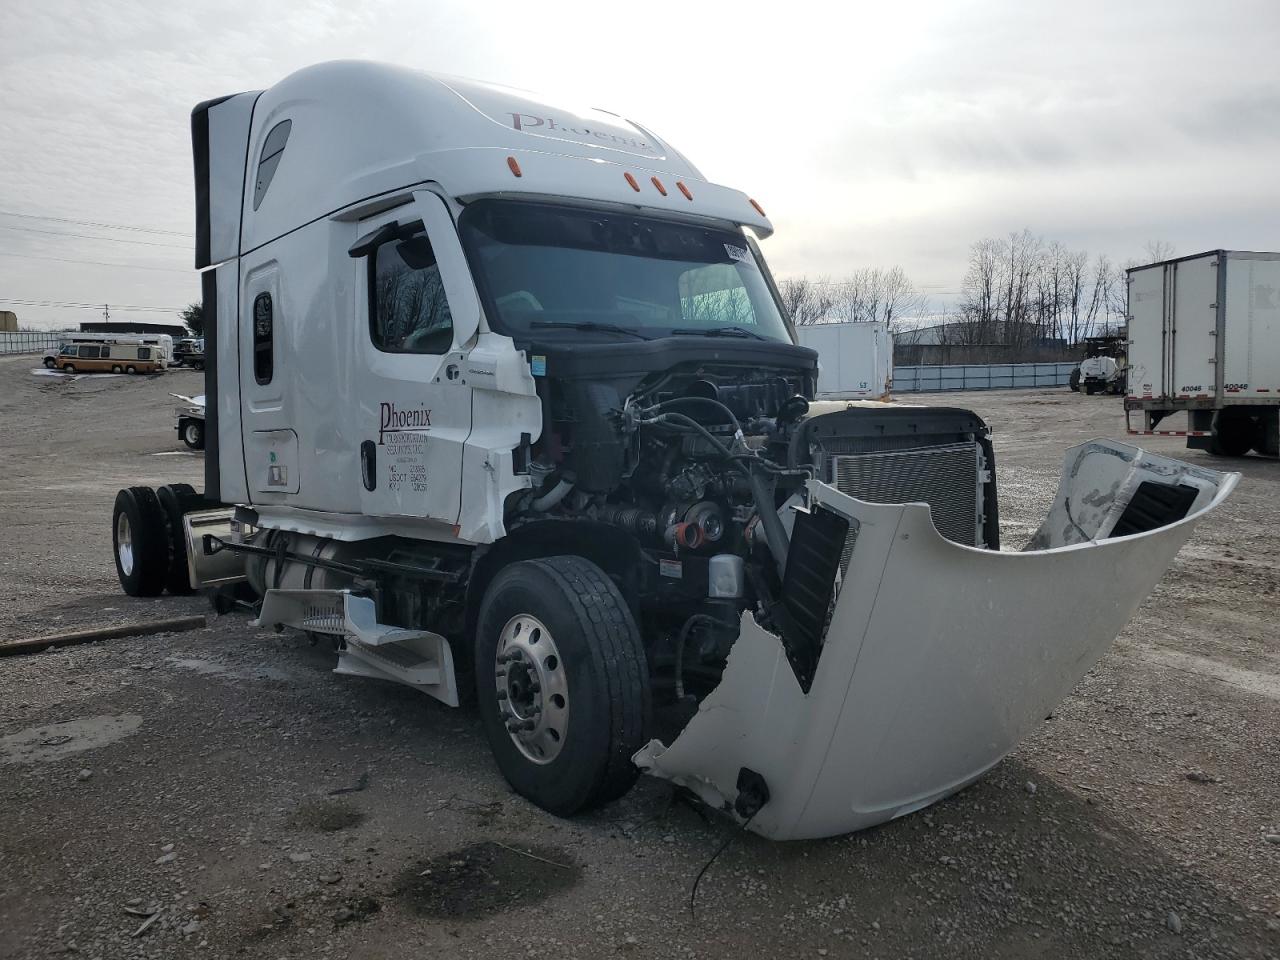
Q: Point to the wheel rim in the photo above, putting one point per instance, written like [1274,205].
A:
[532,688]
[124,543]
[192,434]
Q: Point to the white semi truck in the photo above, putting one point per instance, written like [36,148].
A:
[501,400]
[1204,337]
[855,360]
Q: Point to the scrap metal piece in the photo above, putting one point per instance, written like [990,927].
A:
[939,657]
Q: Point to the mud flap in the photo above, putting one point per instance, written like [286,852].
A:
[939,658]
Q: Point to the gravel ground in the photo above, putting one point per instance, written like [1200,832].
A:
[194,774]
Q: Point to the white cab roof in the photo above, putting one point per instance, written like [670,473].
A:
[359,130]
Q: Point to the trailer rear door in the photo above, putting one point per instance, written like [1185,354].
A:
[1192,290]
[1147,316]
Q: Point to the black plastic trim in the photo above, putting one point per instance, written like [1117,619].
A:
[209,296]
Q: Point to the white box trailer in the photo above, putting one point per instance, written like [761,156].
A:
[855,360]
[1204,337]
[501,398]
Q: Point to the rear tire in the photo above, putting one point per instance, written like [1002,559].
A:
[563,623]
[1073,381]
[177,499]
[139,538]
[116,368]
[1233,436]
[68,368]
[197,364]
[131,370]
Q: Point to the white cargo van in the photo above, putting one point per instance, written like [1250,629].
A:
[501,399]
[1204,337]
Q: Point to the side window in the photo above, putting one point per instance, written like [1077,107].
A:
[272,151]
[68,351]
[144,353]
[89,352]
[408,312]
[263,339]
[106,353]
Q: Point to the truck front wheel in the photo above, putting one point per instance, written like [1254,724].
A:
[562,683]
[192,433]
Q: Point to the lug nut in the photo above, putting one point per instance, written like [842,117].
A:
[502,694]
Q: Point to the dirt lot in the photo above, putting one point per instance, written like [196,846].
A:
[195,773]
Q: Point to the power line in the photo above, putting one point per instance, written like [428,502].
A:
[95,223]
[76,305]
[99,263]
[85,236]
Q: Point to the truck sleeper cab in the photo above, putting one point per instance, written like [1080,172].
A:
[501,398]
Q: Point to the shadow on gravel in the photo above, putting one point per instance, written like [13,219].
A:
[327,816]
[482,879]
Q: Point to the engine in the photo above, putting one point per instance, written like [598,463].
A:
[690,464]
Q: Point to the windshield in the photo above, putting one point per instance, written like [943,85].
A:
[543,267]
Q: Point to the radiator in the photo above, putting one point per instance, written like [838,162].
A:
[948,477]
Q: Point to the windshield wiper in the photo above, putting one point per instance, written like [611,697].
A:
[589,325]
[717,332]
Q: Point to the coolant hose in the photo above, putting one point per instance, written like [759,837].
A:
[775,534]
[550,499]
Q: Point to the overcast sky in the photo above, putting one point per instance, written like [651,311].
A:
[873,133]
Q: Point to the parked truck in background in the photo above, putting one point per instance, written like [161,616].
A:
[855,360]
[502,400]
[1205,340]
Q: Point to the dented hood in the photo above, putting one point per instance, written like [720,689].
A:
[939,658]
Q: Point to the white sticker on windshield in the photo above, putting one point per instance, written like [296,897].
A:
[741,254]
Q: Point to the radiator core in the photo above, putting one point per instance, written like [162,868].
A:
[948,477]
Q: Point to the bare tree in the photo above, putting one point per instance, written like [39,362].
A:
[806,301]
[1157,250]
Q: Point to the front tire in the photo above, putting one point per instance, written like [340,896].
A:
[562,683]
[1073,381]
[139,537]
[193,434]
[50,363]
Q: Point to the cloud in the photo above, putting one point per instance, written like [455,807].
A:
[873,133]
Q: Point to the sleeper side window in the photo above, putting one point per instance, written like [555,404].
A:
[272,151]
[408,311]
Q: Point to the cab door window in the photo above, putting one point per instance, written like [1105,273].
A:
[408,311]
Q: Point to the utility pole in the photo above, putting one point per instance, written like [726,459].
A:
[106,313]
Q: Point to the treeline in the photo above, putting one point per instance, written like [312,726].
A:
[1018,290]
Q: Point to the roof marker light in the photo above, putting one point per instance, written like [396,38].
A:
[658,183]
[515,167]
[759,209]
[632,180]
[684,190]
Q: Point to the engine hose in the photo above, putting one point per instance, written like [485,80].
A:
[775,534]
[680,642]
[706,402]
[550,499]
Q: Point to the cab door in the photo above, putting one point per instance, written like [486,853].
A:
[412,400]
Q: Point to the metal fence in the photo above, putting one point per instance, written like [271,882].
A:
[27,341]
[980,376]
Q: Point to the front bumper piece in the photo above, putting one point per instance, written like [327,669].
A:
[939,658]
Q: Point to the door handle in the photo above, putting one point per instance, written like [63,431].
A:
[369,464]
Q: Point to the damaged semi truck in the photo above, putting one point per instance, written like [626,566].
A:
[502,401]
